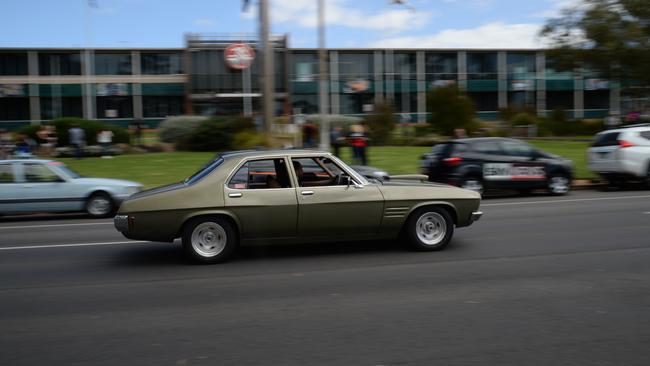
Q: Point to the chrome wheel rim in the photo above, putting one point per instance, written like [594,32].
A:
[431,228]
[99,206]
[209,239]
[473,185]
[559,185]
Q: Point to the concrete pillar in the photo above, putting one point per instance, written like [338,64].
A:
[579,95]
[389,68]
[34,90]
[461,59]
[420,72]
[502,71]
[334,81]
[379,77]
[136,88]
[88,88]
[615,98]
[540,83]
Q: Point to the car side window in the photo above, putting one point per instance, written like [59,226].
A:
[514,148]
[645,134]
[261,174]
[39,173]
[6,173]
[487,147]
[320,171]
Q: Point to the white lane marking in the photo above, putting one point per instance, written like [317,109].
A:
[75,245]
[647,213]
[562,201]
[54,225]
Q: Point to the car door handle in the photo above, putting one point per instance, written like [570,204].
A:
[307,193]
[234,195]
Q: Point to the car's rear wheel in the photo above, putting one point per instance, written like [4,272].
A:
[100,205]
[647,177]
[559,184]
[430,228]
[472,183]
[209,240]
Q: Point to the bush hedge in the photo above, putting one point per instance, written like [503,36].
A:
[91,129]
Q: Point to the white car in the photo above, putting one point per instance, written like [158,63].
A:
[34,185]
[622,154]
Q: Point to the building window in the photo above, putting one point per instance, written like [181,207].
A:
[353,103]
[596,99]
[482,65]
[161,63]
[440,66]
[404,66]
[485,101]
[304,67]
[162,106]
[356,66]
[13,63]
[521,65]
[114,107]
[59,63]
[113,64]
[307,103]
[559,100]
[14,109]
[521,99]
[55,107]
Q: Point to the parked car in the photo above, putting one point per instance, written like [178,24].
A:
[292,196]
[622,155]
[370,172]
[497,163]
[34,185]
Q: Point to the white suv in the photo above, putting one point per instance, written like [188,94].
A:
[622,154]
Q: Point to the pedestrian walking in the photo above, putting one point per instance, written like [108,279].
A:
[359,143]
[6,144]
[105,139]
[336,140]
[77,138]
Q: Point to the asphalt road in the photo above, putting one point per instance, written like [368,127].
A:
[538,281]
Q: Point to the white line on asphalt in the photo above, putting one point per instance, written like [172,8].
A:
[75,245]
[562,201]
[54,225]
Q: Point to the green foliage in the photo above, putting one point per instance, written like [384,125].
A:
[557,124]
[91,129]
[450,109]
[381,124]
[609,36]
[523,119]
[218,134]
[176,129]
[248,139]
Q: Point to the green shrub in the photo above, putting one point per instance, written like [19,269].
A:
[523,119]
[176,129]
[450,109]
[381,124]
[91,129]
[247,139]
[216,134]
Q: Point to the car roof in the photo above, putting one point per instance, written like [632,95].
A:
[262,153]
[626,129]
[42,161]
[479,139]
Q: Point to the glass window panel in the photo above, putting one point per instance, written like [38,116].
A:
[161,63]
[113,64]
[13,63]
[441,66]
[481,65]
[59,63]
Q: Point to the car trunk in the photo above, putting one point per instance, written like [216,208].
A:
[603,153]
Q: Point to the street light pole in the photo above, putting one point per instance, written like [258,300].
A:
[322,91]
[268,90]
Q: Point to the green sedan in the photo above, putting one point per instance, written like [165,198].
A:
[293,195]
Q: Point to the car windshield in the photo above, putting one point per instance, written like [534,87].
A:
[67,171]
[207,169]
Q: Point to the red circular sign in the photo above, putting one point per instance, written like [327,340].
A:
[239,56]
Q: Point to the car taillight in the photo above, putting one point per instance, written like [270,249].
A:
[453,161]
[623,143]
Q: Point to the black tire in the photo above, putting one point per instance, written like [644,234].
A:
[473,183]
[558,184]
[209,240]
[425,222]
[647,178]
[100,204]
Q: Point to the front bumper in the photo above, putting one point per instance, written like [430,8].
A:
[476,215]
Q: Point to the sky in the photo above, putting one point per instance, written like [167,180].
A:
[350,23]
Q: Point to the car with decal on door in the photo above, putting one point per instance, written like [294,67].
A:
[292,196]
[36,185]
[487,163]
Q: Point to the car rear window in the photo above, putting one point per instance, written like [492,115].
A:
[606,139]
[207,169]
[645,135]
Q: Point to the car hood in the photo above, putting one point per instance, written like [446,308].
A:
[106,182]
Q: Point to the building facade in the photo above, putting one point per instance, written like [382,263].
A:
[122,85]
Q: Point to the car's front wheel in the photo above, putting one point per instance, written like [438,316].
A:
[559,184]
[430,228]
[209,240]
[100,205]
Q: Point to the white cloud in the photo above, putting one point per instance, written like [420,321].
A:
[303,13]
[556,7]
[204,22]
[491,35]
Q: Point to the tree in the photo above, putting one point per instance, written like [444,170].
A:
[611,37]
[450,109]
[381,123]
